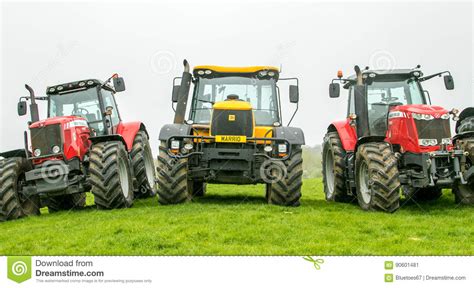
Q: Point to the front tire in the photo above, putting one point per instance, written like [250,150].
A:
[334,166]
[13,205]
[286,191]
[173,184]
[143,166]
[111,177]
[464,193]
[377,180]
[466,125]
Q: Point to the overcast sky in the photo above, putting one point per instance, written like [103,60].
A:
[50,43]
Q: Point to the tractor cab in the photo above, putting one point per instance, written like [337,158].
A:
[91,100]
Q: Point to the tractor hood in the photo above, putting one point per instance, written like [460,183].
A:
[57,120]
[435,111]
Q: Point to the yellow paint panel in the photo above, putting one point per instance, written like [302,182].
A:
[232,105]
[224,69]
[231,139]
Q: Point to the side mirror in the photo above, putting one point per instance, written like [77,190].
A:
[334,90]
[174,95]
[294,94]
[119,84]
[448,82]
[22,108]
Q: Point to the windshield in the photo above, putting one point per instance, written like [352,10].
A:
[84,103]
[261,94]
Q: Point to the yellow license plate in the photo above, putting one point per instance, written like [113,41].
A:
[231,139]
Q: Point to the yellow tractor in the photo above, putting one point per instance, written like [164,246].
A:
[233,135]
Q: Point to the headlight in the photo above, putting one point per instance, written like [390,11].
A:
[281,148]
[428,142]
[446,141]
[422,116]
[175,144]
[445,116]
[188,146]
[37,152]
[56,149]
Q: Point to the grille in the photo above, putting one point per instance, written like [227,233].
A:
[232,122]
[433,129]
[45,138]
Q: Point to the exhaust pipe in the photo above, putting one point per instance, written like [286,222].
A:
[183,92]
[33,106]
[361,109]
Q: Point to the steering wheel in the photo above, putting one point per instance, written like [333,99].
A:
[80,111]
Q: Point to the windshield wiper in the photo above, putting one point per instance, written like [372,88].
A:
[205,101]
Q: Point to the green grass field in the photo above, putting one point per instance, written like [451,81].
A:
[234,220]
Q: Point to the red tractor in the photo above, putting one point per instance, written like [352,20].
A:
[394,140]
[82,146]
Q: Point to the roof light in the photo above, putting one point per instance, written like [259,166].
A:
[201,72]
[208,72]
[416,73]
[262,73]
[52,89]
[60,88]
[372,75]
[82,84]
[90,82]
[271,73]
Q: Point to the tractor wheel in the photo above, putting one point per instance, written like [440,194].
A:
[173,184]
[376,178]
[66,202]
[466,125]
[198,188]
[143,166]
[426,194]
[12,177]
[286,191]
[111,177]
[333,169]
[464,193]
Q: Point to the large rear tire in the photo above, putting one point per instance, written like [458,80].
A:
[13,205]
[378,186]
[66,202]
[173,184]
[143,166]
[111,176]
[334,165]
[286,191]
